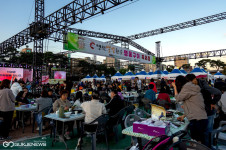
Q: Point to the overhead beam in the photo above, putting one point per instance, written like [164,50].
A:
[207,54]
[183,25]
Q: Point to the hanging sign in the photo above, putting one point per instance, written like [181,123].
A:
[82,44]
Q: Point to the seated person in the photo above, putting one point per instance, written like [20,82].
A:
[28,94]
[21,98]
[104,97]
[93,109]
[43,102]
[51,95]
[66,104]
[164,96]
[62,101]
[116,104]
[78,99]
[150,94]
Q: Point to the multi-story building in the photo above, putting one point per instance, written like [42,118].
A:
[112,62]
[148,67]
[179,62]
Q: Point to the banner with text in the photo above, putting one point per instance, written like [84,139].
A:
[8,73]
[82,44]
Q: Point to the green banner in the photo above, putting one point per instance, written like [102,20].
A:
[153,60]
[72,42]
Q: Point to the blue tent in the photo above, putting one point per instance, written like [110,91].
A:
[175,70]
[159,72]
[143,72]
[137,73]
[87,76]
[218,73]
[203,70]
[129,74]
[95,76]
[165,72]
[102,76]
[150,73]
[118,74]
[183,71]
[196,70]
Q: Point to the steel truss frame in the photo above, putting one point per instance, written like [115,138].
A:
[207,54]
[75,12]
[183,25]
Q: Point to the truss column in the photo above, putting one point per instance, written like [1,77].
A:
[38,44]
[158,59]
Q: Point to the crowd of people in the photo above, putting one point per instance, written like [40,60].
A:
[200,101]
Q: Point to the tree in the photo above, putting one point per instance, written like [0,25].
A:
[169,68]
[122,71]
[217,64]
[131,68]
[202,63]
[224,71]
[186,66]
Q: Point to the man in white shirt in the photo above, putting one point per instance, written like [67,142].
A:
[93,109]
[16,88]
[138,83]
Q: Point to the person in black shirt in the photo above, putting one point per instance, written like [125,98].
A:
[116,104]
[21,98]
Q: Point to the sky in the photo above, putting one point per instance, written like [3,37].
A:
[139,16]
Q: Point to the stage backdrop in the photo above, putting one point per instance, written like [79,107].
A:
[8,73]
[59,75]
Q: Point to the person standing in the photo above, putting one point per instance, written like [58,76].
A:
[210,103]
[16,88]
[194,107]
[7,107]
[138,84]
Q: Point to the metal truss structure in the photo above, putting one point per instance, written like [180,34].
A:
[207,54]
[183,25]
[75,12]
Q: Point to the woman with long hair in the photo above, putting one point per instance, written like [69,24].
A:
[193,105]
[7,107]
